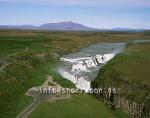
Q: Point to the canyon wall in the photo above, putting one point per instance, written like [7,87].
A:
[114,101]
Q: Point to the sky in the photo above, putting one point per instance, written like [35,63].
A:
[92,13]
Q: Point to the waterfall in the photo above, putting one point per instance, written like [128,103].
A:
[82,67]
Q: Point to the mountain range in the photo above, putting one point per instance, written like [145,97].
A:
[65,26]
[52,26]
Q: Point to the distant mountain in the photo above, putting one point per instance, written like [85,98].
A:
[18,27]
[127,29]
[68,26]
[52,26]
[65,26]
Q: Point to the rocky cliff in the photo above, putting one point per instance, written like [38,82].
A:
[128,74]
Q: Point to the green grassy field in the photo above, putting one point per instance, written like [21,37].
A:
[26,57]
[81,105]
[129,72]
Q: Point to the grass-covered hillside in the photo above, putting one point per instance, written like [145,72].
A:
[129,72]
[81,105]
[27,57]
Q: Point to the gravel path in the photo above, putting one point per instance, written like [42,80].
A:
[39,97]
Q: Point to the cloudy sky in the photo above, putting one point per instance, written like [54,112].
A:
[93,13]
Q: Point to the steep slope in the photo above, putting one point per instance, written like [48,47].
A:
[128,73]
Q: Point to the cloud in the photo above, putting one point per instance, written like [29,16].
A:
[85,2]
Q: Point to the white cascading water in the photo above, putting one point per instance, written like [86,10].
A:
[81,68]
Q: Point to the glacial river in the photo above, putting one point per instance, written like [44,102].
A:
[82,67]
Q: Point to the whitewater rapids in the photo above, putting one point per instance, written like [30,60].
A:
[81,68]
